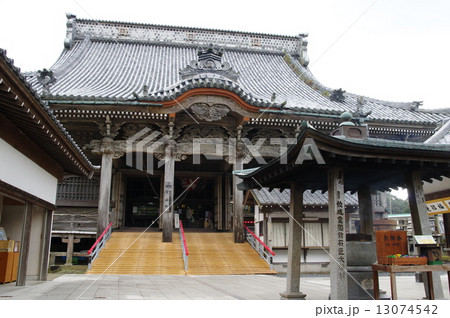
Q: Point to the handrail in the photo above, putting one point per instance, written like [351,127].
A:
[260,242]
[99,238]
[183,238]
[184,247]
[260,247]
[99,243]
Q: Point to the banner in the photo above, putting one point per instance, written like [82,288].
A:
[438,206]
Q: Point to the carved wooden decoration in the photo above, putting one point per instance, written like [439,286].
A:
[208,112]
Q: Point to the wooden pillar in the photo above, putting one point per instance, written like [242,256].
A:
[269,238]
[116,199]
[1,207]
[161,201]
[421,223]
[365,211]
[24,245]
[337,232]
[228,207]
[46,241]
[446,219]
[238,198]
[294,244]
[169,175]
[69,251]
[104,193]
[218,213]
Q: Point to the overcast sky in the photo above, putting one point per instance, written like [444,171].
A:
[395,50]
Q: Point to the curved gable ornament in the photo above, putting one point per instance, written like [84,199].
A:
[209,60]
[208,112]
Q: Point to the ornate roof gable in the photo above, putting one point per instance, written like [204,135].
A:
[209,60]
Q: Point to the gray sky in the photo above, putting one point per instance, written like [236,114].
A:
[395,50]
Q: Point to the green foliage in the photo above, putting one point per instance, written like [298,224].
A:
[399,206]
[446,259]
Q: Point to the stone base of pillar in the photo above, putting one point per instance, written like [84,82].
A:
[292,295]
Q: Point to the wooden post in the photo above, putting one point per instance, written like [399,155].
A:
[269,238]
[161,201]
[104,193]
[116,198]
[446,219]
[47,236]
[228,207]
[421,223]
[417,204]
[338,251]
[365,211]
[218,213]
[238,198]
[69,253]
[1,207]
[24,244]
[169,174]
[294,244]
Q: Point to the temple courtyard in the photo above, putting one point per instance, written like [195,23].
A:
[178,287]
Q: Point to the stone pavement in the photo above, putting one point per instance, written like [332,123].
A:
[163,287]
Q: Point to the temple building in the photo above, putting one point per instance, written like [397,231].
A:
[36,153]
[169,112]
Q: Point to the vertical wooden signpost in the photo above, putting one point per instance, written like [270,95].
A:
[338,252]
[169,171]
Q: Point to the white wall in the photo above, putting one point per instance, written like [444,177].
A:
[21,172]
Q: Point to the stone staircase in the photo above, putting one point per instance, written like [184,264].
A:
[133,253]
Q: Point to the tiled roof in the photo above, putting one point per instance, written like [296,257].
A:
[442,135]
[277,197]
[66,150]
[114,61]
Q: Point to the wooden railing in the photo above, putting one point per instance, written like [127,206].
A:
[99,244]
[184,247]
[264,251]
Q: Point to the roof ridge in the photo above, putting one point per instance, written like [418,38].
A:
[192,28]
[77,28]
[440,133]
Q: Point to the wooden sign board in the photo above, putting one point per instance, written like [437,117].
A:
[424,239]
[438,206]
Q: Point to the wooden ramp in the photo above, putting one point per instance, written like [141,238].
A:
[209,254]
[217,254]
[146,256]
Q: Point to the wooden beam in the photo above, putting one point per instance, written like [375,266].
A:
[25,244]
[23,196]
[22,143]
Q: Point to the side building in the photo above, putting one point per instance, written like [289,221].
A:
[36,153]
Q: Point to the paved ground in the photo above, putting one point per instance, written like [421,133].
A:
[158,287]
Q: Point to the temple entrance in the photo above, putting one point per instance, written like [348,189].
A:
[142,202]
[195,202]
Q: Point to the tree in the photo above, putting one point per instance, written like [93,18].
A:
[397,205]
